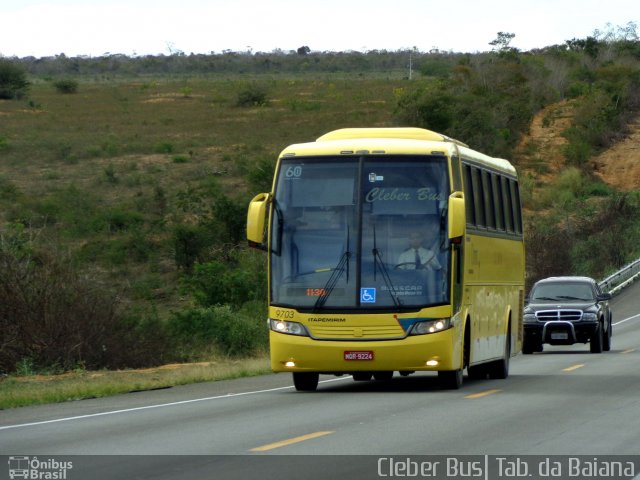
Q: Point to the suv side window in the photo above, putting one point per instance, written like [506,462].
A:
[598,290]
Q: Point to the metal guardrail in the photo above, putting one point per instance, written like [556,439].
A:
[622,278]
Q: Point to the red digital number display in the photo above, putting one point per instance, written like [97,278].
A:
[315,292]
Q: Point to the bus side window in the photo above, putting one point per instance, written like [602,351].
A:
[515,199]
[506,202]
[468,196]
[478,197]
[489,210]
[497,201]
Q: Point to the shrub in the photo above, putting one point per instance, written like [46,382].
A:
[13,80]
[253,95]
[8,190]
[52,315]
[180,159]
[66,85]
[258,171]
[239,280]
[115,220]
[189,242]
[577,151]
[110,174]
[234,333]
[232,215]
[164,147]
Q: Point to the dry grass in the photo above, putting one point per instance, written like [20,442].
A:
[19,391]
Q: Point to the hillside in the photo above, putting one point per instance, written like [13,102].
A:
[124,182]
[617,166]
[539,152]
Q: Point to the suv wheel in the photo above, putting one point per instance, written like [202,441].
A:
[597,340]
[606,346]
[530,346]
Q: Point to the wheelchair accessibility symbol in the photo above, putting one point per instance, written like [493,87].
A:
[368,295]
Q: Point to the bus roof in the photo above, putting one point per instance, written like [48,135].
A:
[389,141]
[409,133]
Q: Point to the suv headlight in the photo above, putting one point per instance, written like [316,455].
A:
[529,318]
[589,316]
[291,328]
[431,326]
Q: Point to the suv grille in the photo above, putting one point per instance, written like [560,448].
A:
[555,315]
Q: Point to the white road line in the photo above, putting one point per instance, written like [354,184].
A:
[626,319]
[149,407]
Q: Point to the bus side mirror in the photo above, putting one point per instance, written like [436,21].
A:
[256,217]
[457,216]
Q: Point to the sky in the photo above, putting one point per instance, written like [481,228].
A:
[43,28]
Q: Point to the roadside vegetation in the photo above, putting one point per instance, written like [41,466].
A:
[124,183]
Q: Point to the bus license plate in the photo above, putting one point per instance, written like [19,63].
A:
[358,355]
[559,335]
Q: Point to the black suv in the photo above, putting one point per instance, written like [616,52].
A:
[567,310]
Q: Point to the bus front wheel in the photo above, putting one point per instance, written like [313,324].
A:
[306,381]
[450,379]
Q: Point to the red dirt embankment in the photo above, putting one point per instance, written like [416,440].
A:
[618,166]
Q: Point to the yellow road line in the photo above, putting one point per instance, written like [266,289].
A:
[575,367]
[290,441]
[630,350]
[482,394]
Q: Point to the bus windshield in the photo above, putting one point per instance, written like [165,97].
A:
[360,232]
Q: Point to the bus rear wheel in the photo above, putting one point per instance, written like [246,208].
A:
[500,368]
[306,381]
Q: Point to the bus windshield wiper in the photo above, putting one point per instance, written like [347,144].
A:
[340,268]
[377,262]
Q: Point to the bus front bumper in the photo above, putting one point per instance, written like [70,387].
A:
[432,352]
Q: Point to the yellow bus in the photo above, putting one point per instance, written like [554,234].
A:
[391,250]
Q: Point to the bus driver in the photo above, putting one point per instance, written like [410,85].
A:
[417,257]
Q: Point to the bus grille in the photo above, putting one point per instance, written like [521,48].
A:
[559,315]
[357,333]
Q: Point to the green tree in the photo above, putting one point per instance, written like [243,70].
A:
[13,80]
[502,43]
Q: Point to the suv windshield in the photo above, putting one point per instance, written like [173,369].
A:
[565,292]
[360,232]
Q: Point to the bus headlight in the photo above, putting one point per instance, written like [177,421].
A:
[431,326]
[291,328]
